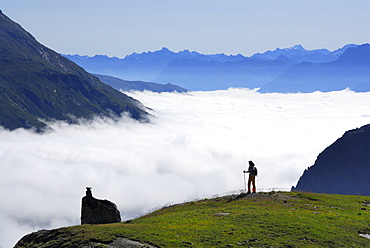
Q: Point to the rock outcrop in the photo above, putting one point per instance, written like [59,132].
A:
[95,211]
[342,168]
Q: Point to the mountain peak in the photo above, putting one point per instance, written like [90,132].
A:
[298,47]
[357,55]
[165,49]
[293,48]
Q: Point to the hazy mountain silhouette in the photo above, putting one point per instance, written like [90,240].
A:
[215,75]
[187,69]
[350,70]
[39,84]
[120,84]
[133,67]
[196,71]
[342,168]
[298,54]
[362,87]
[140,66]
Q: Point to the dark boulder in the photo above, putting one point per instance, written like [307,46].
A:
[95,211]
[342,168]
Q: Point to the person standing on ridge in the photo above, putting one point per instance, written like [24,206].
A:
[252,170]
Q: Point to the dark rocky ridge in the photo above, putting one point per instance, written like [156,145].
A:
[95,211]
[38,84]
[342,168]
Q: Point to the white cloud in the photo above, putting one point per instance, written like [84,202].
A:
[196,146]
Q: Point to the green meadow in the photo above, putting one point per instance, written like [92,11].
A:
[274,219]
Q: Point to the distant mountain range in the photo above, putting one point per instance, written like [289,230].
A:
[38,84]
[350,70]
[292,69]
[141,66]
[216,75]
[298,54]
[342,168]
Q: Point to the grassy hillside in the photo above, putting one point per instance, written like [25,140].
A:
[275,219]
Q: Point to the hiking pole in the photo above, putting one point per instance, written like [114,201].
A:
[245,185]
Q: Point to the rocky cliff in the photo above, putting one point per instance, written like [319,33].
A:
[342,168]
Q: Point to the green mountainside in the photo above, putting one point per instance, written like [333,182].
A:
[38,84]
[274,219]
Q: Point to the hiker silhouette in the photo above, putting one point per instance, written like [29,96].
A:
[252,170]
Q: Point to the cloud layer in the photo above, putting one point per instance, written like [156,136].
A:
[196,146]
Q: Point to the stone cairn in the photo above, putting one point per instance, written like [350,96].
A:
[95,211]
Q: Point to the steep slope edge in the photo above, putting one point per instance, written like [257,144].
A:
[37,83]
[342,168]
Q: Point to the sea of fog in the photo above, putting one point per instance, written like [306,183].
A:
[196,146]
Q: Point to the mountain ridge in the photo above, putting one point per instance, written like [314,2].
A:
[39,85]
[342,168]
[350,70]
[246,73]
[141,66]
[299,54]
[213,71]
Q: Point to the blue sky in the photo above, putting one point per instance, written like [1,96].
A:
[118,27]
